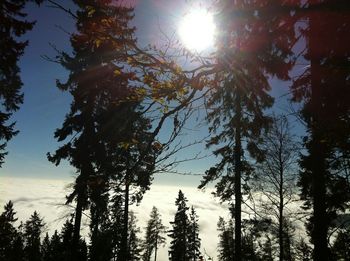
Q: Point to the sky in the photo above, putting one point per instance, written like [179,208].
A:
[45,106]
[34,183]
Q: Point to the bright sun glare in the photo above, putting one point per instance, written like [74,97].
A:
[197,30]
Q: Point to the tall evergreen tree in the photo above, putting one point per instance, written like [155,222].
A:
[67,238]
[56,247]
[179,232]
[226,240]
[33,229]
[194,242]
[13,25]
[102,125]
[324,89]
[254,40]
[134,242]
[100,224]
[17,252]
[45,249]
[154,236]
[117,215]
[8,232]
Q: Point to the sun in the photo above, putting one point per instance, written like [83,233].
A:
[197,30]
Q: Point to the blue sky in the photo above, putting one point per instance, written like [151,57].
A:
[45,106]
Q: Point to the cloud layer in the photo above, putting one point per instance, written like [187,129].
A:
[48,196]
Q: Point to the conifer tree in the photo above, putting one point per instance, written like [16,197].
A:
[56,247]
[255,40]
[134,242]
[324,89]
[13,25]
[179,232]
[154,235]
[17,252]
[67,238]
[8,232]
[33,229]
[101,125]
[100,225]
[45,249]
[117,215]
[226,240]
[194,242]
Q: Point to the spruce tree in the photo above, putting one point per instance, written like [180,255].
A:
[134,242]
[107,137]
[33,229]
[100,127]
[194,242]
[154,236]
[100,225]
[8,232]
[179,232]
[56,247]
[254,41]
[226,240]
[117,216]
[46,249]
[323,87]
[13,25]
[17,252]
[67,238]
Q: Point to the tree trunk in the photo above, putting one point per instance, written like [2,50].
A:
[318,157]
[238,170]
[76,228]
[280,218]
[156,249]
[124,243]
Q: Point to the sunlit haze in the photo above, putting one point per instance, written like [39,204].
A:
[197,30]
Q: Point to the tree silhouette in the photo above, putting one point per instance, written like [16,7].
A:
[154,236]
[33,229]
[134,242]
[179,232]
[13,26]
[8,233]
[276,176]
[100,124]
[56,251]
[324,88]
[255,40]
[45,248]
[226,240]
[194,242]
[67,237]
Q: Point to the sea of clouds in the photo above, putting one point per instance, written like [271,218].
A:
[47,196]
